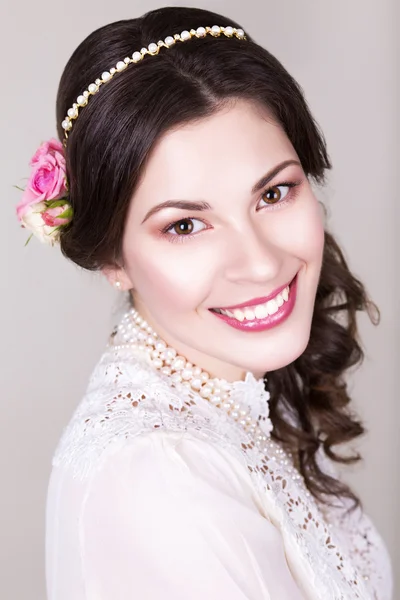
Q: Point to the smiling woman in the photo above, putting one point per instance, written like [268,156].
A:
[200,462]
[251,237]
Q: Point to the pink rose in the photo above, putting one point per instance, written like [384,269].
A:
[50,216]
[48,176]
[47,180]
[52,146]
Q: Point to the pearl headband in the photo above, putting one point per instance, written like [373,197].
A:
[152,49]
[45,208]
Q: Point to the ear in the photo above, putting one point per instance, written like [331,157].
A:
[114,274]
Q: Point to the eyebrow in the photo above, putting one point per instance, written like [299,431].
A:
[201,205]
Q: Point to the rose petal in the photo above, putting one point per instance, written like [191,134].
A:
[28,198]
[50,146]
[50,216]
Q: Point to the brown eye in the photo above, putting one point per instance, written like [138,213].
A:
[277,193]
[273,195]
[185,227]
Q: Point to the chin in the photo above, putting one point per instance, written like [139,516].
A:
[283,355]
[269,365]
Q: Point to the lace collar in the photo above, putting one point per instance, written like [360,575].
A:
[246,401]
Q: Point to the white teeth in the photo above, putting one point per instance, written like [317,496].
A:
[279,300]
[272,307]
[238,314]
[260,311]
[249,314]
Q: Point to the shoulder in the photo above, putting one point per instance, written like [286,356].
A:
[126,399]
[176,464]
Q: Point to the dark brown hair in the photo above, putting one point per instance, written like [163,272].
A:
[108,148]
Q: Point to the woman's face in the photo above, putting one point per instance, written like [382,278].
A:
[245,241]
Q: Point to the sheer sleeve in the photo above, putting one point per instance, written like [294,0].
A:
[171,517]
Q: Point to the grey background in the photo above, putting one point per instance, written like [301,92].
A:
[55,318]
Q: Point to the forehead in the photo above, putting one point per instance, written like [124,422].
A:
[241,140]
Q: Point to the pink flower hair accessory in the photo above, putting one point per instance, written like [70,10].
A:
[44,208]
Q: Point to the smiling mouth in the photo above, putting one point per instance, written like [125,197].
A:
[260,310]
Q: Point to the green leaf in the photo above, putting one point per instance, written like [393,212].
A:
[55,203]
[66,214]
[28,239]
[19,188]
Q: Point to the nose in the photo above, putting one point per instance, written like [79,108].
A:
[252,257]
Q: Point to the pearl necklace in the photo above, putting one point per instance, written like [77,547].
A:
[245,401]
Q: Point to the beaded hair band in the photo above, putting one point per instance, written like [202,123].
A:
[45,208]
[152,49]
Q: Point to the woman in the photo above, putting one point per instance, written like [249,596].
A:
[200,462]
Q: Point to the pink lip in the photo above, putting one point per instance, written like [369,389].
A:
[256,300]
[270,320]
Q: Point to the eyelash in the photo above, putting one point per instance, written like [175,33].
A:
[290,197]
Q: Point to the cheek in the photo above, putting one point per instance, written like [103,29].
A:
[171,275]
[304,231]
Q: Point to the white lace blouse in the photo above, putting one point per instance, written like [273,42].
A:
[157,494]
